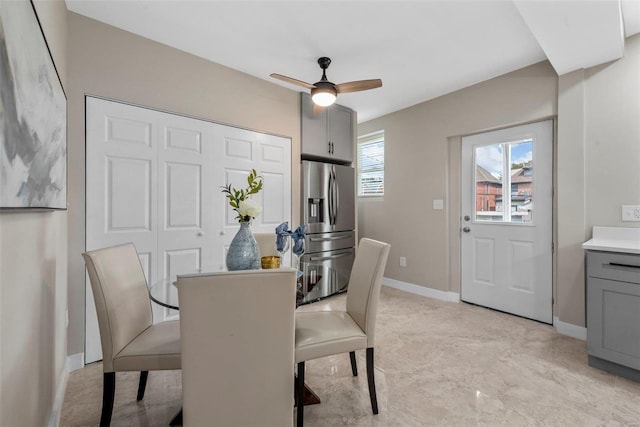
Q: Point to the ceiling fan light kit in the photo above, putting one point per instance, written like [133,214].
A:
[324,92]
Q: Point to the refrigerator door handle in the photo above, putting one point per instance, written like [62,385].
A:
[330,197]
[328,239]
[337,255]
[336,203]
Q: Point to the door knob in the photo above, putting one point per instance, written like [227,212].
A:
[200,233]
[466,229]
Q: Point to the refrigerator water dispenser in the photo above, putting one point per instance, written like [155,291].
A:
[315,210]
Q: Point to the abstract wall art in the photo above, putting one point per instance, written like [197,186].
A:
[33,115]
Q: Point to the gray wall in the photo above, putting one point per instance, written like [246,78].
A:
[115,64]
[597,167]
[33,286]
[422,150]
[598,163]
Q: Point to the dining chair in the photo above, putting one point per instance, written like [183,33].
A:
[266,243]
[325,333]
[237,331]
[130,340]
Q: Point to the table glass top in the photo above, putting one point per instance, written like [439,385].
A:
[315,283]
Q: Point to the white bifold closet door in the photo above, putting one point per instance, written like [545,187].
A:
[155,179]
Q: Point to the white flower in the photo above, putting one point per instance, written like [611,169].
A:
[249,208]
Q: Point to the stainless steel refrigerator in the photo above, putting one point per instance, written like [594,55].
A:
[328,210]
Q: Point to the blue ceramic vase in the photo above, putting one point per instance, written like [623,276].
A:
[243,253]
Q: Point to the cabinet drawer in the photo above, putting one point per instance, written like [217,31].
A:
[614,266]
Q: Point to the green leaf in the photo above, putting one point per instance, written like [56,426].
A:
[236,196]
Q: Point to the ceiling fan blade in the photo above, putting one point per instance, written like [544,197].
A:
[358,85]
[292,80]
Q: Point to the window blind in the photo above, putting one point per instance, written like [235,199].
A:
[370,154]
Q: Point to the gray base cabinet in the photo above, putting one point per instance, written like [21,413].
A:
[613,312]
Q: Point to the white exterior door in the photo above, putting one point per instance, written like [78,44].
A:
[507,220]
[155,179]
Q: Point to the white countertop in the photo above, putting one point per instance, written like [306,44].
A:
[614,239]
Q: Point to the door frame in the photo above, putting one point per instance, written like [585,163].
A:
[454,208]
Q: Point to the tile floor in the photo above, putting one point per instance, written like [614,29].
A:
[437,364]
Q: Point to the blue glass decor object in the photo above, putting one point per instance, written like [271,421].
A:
[243,253]
[298,243]
[298,240]
[282,237]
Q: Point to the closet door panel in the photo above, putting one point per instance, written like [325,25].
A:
[121,191]
[155,179]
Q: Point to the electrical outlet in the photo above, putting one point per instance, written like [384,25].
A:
[630,212]
[403,261]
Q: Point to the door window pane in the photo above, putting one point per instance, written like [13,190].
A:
[492,183]
[521,181]
[489,171]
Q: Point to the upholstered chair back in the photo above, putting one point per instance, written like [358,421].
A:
[237,332]
[364,285]
[266,243]
[122,300]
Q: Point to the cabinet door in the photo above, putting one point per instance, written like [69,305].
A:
[613,310]
[341,132]
[328,133]
[315,141]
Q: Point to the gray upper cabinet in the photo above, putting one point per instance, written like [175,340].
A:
[328,134]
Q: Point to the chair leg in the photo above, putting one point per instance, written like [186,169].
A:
[108,394]
[300,392]
[142,385]
[354,365]
[371,381]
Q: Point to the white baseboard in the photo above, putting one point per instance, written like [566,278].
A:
[75,362]
[421,290]
[569,329]
[61,388]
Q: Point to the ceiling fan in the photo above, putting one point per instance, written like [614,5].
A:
[324,92]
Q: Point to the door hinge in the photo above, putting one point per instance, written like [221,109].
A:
[553,247]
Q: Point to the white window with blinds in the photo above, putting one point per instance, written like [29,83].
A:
[370,155]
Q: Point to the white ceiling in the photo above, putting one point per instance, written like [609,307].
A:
[420,49]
